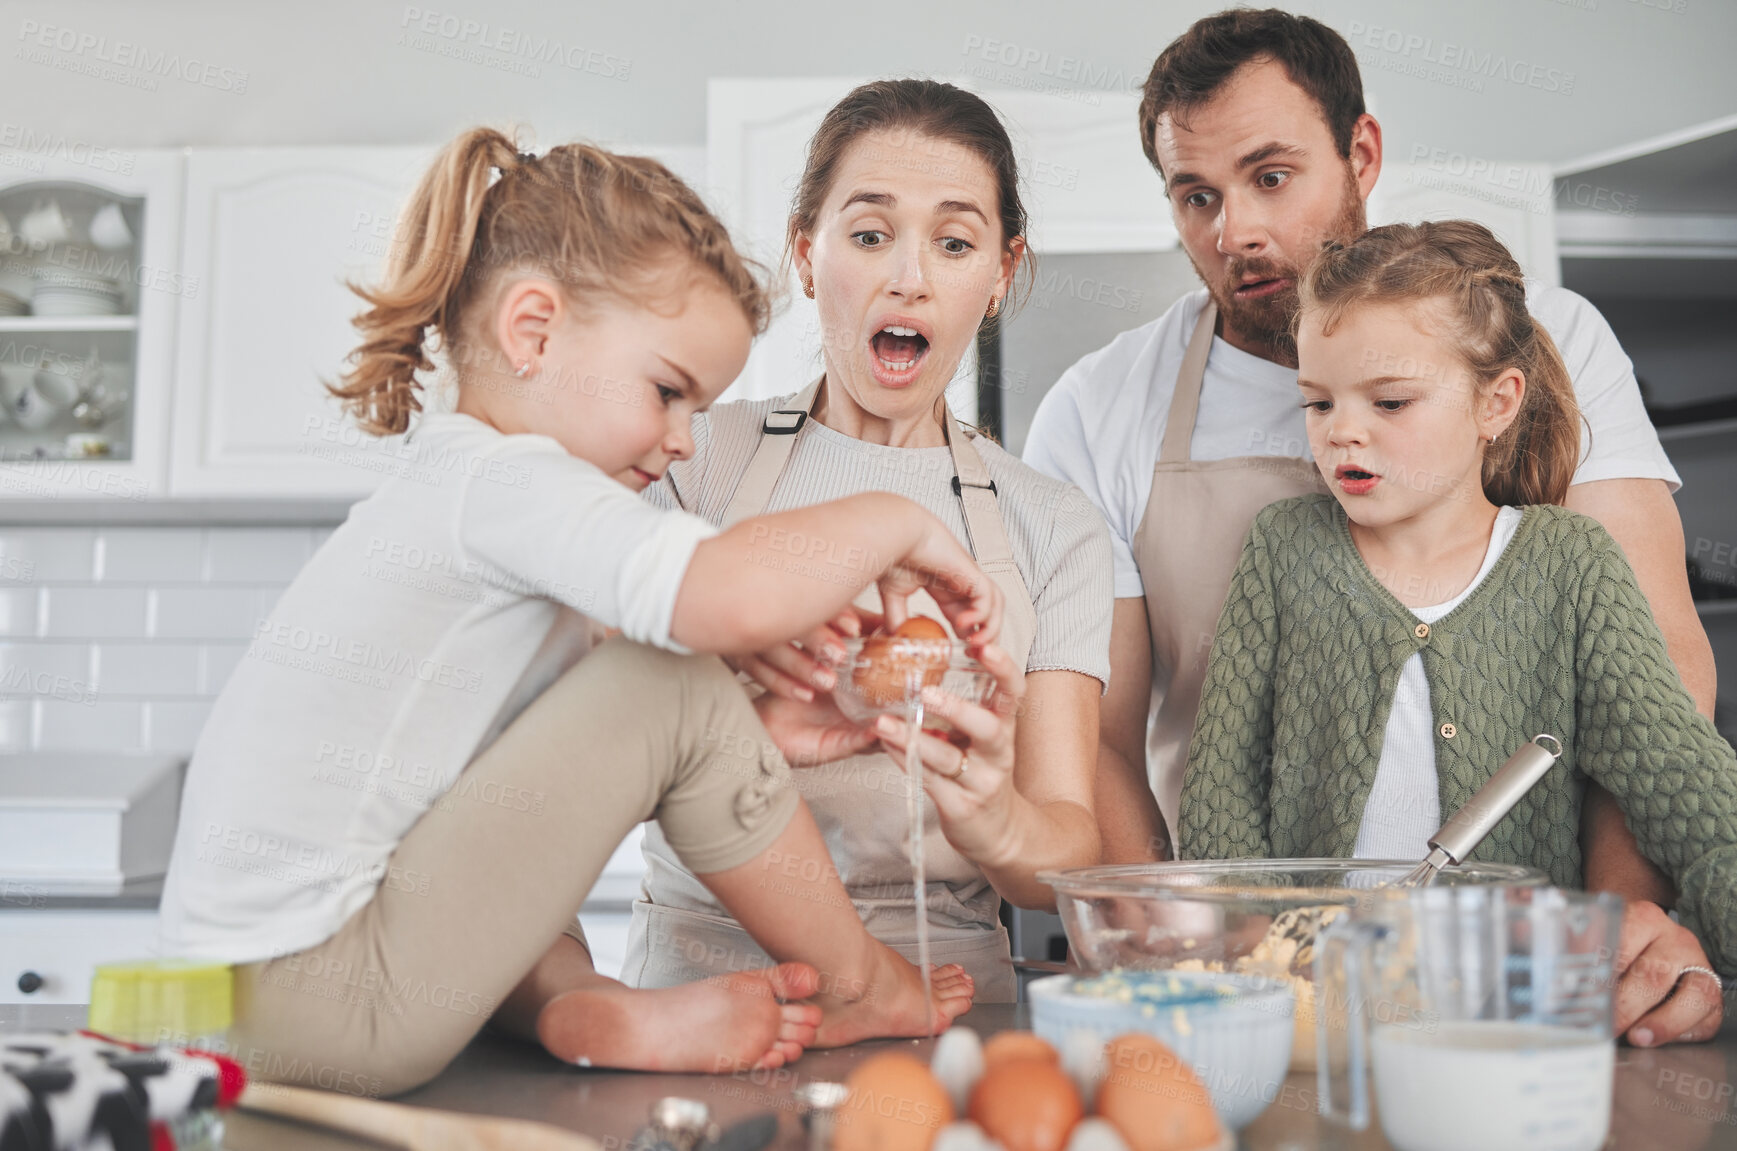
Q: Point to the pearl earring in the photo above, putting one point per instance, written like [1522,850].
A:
[523,370]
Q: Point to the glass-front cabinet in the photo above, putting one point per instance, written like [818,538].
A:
[89,288]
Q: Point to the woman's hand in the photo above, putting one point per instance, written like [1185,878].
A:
[810,733]
[1655,1002]
[977,807]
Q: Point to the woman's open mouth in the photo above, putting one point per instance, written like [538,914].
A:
[897,353]
[1354,481]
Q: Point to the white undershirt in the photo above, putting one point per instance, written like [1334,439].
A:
[1404,806]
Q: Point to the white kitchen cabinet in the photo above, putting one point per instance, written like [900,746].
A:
[48,955]
[116,446]
[272,235]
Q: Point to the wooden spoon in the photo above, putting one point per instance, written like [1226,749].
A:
[410,1128]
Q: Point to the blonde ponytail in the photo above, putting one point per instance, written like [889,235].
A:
[1462,264]
[593,222]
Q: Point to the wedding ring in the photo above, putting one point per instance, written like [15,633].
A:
[1707,971]
[965,761]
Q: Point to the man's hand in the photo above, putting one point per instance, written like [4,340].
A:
[1655,1002]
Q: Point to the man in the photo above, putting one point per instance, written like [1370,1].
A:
[1183,429]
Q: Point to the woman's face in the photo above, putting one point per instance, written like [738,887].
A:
[906,253]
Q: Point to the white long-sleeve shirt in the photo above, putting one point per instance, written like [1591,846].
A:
[443,605]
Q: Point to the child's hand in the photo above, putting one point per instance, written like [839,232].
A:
[797,670]
[1655,1002]
[969,599]
[810,733]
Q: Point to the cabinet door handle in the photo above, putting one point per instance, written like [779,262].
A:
[29,982]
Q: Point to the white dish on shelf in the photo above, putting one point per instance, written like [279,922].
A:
[108,228]
[17,279]
[49,301]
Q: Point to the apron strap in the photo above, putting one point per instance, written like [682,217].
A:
[777,441]
[1185,399]
[976,492]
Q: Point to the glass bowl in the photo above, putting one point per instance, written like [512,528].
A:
[1152,916]
[881,675]
[1247,916]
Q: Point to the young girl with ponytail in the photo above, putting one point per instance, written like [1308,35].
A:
[1385,649]
[407,789]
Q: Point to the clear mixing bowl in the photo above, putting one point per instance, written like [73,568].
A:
[1151,916]
[1256,917]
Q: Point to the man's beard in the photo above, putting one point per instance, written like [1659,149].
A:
[1267,322]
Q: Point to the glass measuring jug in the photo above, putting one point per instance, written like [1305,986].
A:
[1471,1017]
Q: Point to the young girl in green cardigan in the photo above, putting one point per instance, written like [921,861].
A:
[1384,649]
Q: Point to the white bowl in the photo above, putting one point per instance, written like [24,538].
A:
[1234,1030]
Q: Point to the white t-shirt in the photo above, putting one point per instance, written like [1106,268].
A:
[443,605]
[1100,427]
[1404,805]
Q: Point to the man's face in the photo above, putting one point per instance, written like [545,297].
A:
[1256,186]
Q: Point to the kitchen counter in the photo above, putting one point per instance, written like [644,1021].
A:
[1668,1099]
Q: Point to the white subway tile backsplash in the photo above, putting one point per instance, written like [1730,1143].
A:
[205,612]
[94,612]
[255,555]
[150,555]
[175,726]
[119,638]
[15,732]
[219,665]
[44,555]
[99,726]
[43,668]
[147,669]
[18,611]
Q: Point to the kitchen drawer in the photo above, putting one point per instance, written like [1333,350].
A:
[64,947]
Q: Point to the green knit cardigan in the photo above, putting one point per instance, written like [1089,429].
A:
[1557,639]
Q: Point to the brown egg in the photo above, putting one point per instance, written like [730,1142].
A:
[921,627]
[895,1104]
[1006,1045]
[1154,1099]
[1026,1103]
[919,650]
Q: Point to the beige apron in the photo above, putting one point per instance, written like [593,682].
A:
[1188,543]
[680,933]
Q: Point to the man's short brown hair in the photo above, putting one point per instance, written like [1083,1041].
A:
[1197,64]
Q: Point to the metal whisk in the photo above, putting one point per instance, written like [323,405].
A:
[1468,826]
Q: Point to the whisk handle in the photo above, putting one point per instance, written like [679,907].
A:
[1496,798]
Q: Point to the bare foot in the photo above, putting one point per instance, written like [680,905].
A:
[727,1023]
[891,1004]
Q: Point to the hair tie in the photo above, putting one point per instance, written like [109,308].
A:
[527,157]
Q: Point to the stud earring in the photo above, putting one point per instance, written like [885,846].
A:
[522,370]
[808,286]
[994,308]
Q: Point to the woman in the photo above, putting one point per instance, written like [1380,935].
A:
[907,232]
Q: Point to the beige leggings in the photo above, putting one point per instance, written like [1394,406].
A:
[482,886]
